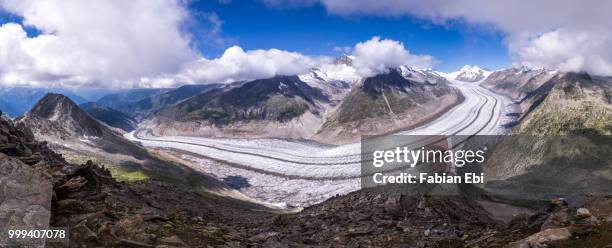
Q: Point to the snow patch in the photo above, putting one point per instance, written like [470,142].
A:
[469,73]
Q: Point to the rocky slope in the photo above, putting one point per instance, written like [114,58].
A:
[569,103]
[556,103]
[518,82]
[15,101]
[58,116]
[281,98]
[44,190]
[400,99]
[79,137]
[282,106]
[110,116]
[561,144]
[562,138]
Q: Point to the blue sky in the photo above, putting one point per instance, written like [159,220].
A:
[166,43]
[311,30]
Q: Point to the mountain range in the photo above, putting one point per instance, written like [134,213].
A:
[469,73]
[328,105]
[561,103]
[399,99]
[324,106]
[79,137]
[556,103]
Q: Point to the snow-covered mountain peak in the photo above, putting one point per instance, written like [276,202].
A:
[472,68]
[344,59]
[420,75]
[332,79]
[469,73]
[528,68]
[330,73]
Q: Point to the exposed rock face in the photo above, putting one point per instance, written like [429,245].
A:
[57,115]
[569,103]
[543,238]
[25,188]
[344,60]
[15,101]
[279,99]
[18,141]
[556,106]
[368,219]
[283,105]
[400,99]
[39,189]
[554,102]
[25,199]
[572,224]
[58,120]
[79,137]
[518,82]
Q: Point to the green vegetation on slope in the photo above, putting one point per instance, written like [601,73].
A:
[124,175]
[560,120]
[576,104]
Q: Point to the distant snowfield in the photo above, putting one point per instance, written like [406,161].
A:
[304,173]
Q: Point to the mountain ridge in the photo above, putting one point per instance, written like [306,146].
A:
[110,117]
[399,99]
[15,101]
[310,101]
[469,73]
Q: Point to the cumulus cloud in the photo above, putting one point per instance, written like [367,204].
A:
[568,50]
[375,56]
[236,65]
[579,32]
[143,43]
[90,41]
[369,58]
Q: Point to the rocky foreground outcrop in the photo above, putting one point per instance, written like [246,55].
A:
[40,189]
[100,212]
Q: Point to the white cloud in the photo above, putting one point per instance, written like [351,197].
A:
[92,42]
[136,43]
[529,26]
[568,50]
[369,58]
[376,56]
[236,65]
